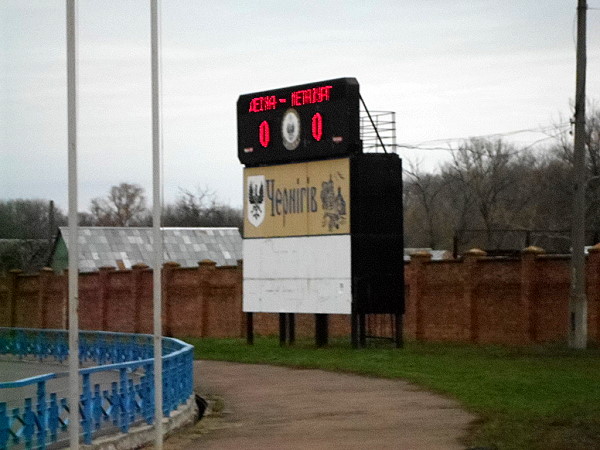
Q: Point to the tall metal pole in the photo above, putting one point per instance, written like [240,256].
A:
[577,300]
[156,210]
[73,226]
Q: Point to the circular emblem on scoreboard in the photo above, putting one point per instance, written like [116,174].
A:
[290,129]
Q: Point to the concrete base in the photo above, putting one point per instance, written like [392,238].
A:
[144,434]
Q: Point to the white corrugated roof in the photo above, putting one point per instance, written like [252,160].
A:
[126,246]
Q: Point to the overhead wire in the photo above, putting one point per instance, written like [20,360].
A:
[449,141]
[561,128]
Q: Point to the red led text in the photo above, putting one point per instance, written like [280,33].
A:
[309,96]
[259,104]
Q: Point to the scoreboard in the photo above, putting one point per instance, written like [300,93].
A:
[299,123]
[323,228]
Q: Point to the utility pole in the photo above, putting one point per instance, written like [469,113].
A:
[578,300]
[155,35]
[72,77]
[51,222]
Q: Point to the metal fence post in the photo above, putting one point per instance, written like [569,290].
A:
[3,426]
[42,419]
[86,400]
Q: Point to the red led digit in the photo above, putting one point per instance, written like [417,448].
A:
[264,134]
[317,126]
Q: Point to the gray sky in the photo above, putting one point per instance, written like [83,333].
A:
[448,68]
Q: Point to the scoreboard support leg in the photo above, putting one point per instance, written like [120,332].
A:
[249,328]
[358,336]
[291,328]
[362,330]
[354,329]
[321,329]
[287,328]
[282,328]
[399,330]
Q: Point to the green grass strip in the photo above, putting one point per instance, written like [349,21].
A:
[527,398]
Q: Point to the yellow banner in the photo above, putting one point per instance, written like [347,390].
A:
[303,199]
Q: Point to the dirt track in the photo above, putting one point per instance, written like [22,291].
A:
[269,407]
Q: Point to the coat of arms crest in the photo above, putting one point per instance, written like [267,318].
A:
[334,206]
[255,205]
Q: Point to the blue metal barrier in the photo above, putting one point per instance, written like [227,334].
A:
[117,384]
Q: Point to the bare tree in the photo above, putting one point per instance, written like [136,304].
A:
[423,222]
[124,206]
[562,149]
[482,168]
[28,219]
[563,141]
[200,209]
[491,185]
[26,229]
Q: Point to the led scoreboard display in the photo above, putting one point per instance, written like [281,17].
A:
[311,121]
[323,222]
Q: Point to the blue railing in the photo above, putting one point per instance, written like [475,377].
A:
[117,384]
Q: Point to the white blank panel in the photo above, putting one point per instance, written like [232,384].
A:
[298,275]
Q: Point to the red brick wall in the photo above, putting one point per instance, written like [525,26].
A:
[183,302]
[32,300]
[26,305]
[55,300]
[476,299]
[494,300]
[268,324]
[91,291]
[222,301]
[5,297]
[550,307]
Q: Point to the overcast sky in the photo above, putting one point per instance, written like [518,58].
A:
[448,68]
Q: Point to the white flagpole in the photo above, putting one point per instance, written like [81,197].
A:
[73,226]
[156,210]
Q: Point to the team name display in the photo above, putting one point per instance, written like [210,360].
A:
[291,200]
[298,98]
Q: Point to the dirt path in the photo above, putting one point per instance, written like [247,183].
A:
[268,407]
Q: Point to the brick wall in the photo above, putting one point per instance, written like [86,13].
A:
[496,300]
[476,299]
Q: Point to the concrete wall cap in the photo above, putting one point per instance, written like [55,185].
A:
[107,268]
[140,266]
[207,262]
[533,250]
[46,270]
[595,249]
[475,252]
[421,254]
[171,264]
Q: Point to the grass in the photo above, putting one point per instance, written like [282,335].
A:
[527,398]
